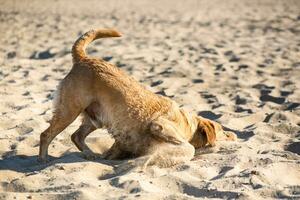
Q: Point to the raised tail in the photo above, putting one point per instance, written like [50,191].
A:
[78,50]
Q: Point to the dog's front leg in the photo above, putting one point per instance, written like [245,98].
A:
[114,152]
[164,130]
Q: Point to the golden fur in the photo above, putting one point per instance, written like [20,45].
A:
[141,122]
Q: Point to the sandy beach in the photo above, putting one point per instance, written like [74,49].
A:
[235,62]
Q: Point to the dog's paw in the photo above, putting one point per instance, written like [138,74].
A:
[106,155]
[89,155]
[42,160]
[112,154]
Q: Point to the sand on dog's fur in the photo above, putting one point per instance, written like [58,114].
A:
[142,123]
[236,62]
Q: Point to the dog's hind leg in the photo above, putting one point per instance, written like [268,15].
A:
[67,108]
[58,123]
[80,134]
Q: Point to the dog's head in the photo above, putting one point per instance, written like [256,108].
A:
[207,132]
[204,134]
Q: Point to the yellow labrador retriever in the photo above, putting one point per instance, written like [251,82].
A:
[141,122]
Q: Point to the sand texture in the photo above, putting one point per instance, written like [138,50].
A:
[236,62]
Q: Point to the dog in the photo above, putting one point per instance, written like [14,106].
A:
[143,124]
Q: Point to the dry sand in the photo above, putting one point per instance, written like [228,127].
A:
[237,62]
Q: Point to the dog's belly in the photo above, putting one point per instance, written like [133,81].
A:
[131,139]
[135,143]
[96,115]
[114,121]
[127,131]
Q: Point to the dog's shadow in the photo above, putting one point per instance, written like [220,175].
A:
[30,165]
[244,135]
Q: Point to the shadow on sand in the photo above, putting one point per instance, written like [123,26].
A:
[244,135]
[30,164]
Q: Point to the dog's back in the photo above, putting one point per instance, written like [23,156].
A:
[141,122]
[113,89]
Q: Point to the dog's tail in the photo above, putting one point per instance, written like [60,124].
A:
[78,50]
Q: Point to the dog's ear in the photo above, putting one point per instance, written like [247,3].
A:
[205,133]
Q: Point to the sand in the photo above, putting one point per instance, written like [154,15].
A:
[236,62]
